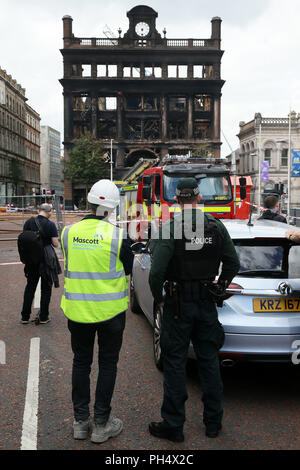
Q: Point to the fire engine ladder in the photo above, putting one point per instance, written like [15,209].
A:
[134,172]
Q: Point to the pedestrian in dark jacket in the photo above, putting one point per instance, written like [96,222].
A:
[34,272]
[272,212]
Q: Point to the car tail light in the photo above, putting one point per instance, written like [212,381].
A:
[232,289]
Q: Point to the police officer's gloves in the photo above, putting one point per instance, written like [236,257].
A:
[221,287]
[218,292]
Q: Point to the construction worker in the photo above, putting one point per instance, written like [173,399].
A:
[189,309]
[97,259]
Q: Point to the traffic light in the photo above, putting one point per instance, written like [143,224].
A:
[44,191]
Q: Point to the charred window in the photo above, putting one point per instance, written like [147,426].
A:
[81,102]
[86,70]
[151,129]
[131,71]
[203,71]
[143,129]
[133,102]
[152,72]
[177,71]
[79,130]
[107,128]
[133,129]
[107,103]
[202,103]
[201,129]
[177,103]
[177,129]
[74,69]
[142,103]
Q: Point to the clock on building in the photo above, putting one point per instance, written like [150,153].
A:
[142,29]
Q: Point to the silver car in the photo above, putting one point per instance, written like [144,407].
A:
[261,316]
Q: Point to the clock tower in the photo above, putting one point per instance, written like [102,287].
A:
[142,25]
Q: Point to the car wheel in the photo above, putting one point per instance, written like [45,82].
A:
[134,305]
[156,337]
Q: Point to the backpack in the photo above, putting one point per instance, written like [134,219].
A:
[30,244]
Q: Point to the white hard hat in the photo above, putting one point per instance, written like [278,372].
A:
[104,193]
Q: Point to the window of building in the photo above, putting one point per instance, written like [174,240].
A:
[177,103]
[101,70]
[177,129]
[177,71]
[153,72]
[198,71]
[145,102]
[131,72]
[182,71]
[172,71]
[111,103]
[151,129]
[112,70]
[202,103]
[136,72]
[126,72]
[268,156]
[107,129]
[201,129]
[284,157]
[86,70]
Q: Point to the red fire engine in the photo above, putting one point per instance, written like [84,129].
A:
[223,195]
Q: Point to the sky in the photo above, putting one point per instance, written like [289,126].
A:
[260,39]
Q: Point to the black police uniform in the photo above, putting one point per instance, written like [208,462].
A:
[190,314]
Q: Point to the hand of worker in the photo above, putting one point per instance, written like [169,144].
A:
[289,233]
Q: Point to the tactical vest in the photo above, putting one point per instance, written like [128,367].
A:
[189,263]
[95,287]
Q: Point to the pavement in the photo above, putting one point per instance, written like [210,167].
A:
[261,402]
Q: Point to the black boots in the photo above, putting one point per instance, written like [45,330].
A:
[163,431]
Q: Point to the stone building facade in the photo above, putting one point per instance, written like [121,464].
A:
[32,151]
[142,92]
[51,161]
[267,139]
[19,141]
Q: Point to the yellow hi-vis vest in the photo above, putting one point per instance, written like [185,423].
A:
[95,287]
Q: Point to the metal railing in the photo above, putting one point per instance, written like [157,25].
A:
[16,209]
[120,42]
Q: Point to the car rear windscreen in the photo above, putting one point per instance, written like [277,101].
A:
[268,259]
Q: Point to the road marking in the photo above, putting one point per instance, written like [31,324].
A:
[8,264]
[29,430]
[17,262]
[37,295]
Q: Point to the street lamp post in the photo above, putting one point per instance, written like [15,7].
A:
[289,171]
[259,167]
[289,166]
[111,160]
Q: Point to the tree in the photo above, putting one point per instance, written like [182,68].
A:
[86,163]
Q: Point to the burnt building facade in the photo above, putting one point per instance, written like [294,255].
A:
[142,93]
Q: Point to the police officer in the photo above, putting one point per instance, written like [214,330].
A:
[189,309]
[97,259]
